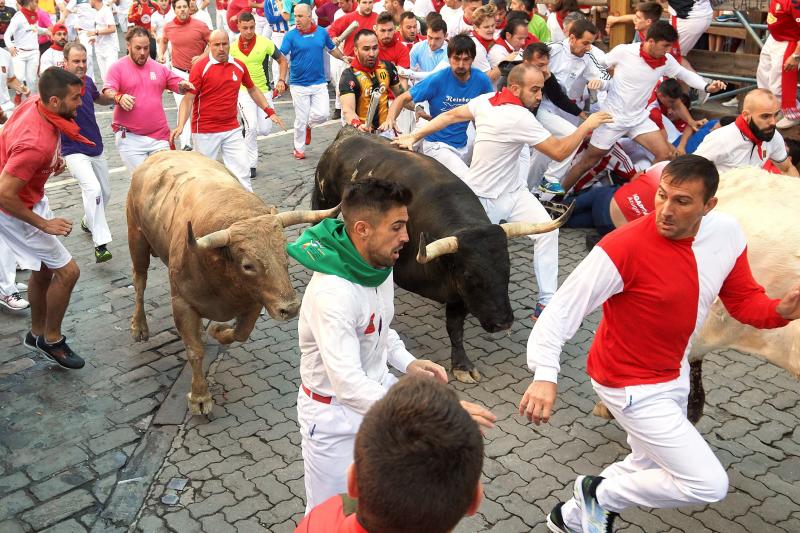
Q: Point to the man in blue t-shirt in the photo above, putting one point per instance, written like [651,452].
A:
[446,89]
[87,164]
[305,46]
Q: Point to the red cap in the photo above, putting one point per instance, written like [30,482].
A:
[59,27]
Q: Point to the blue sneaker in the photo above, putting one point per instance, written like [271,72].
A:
[552,187]
[594,519]
[537,311]
[555,521]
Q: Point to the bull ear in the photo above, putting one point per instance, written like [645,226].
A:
[191,240]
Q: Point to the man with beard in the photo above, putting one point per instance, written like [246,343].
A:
[665,269]
[443,90]
[366,19]
[54,56]
[389,46]
[366,76]
[344,328]
[504,125]
[87,163]
[751,140]
[408,32]
[29,155]
[137,83]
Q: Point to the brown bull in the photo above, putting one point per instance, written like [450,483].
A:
[237,265]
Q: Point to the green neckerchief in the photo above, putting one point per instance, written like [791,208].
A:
[326,248]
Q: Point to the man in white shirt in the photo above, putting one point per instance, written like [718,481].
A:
[752,140]
[85,21]
[451,11]
[344,328]
[22,42]
[504,127]
[7,79]
[104,37]
[637,69]
[54,56]
[463,23]
[160,17]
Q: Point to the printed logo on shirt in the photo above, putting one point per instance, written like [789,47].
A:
[371,328]
[152,75]
[234,77]
[314,250]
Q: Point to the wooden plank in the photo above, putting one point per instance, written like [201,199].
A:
[724,62]
[620,33]
[738,33]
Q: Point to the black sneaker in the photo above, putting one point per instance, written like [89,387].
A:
[337,114]
[61,353]
[594,519]
[30,341]
[555,521]
[252,172]
[187,148]
[101,254]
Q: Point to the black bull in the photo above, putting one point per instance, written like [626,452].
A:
[473,278]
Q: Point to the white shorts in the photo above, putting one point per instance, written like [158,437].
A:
[33,247]
[606,135]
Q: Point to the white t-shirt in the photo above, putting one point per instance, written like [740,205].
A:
[422,8]
[203,17]
[458,25]
[20,34]
[571,71]
[451,16]
[51,58]
[105,18]
[85,14]
[728,148]
[497,55]
[158,21]
[556,33]
[501,133]
[634,81]
[481,61]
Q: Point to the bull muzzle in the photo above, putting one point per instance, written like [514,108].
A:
[449,245]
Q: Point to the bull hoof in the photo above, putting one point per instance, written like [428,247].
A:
[467,376]
[222,332]
[602,411]
[139,332]
[201,405]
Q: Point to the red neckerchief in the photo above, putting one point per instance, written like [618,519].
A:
[560,16]
[487,43]
[55,47]
[530,39]
[437,5]
[246,46]
[468,23]
[505,97]
[502,42]
[311,30]
[31,16]
[358,66]
[744,127]
[500,24]
[180,22]
[652,62]
[642,37]
[68,127]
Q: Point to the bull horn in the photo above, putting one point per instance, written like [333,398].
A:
[218,239]
[291,218]
[439,247]
[521,229]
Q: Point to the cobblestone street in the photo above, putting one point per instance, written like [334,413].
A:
[94,450]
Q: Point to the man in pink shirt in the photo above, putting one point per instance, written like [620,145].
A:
[137,83]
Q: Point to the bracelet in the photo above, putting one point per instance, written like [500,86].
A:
[269,111]
[281,79]
[118,97]
[356,122]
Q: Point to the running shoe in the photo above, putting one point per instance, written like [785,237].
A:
[552,187]
[21,287]
[299,155]
[84,227]
[785,123]
[555,521]
[537,311]
[733,102]
[594,519]
[15,302]
[30,340]
[101,254]
[61,353]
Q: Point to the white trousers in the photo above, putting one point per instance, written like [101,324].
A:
[543,166]
[185,138]
[26,68]
[670,464]
[310,109]
[134,149]
[455,159]
[690,31]
[29,246]
[255,123]
[337,69]
[770,66]
[92,176]
[8,269]
[122,14]
[234,152]
[83,38]
[105,58]
[522,206]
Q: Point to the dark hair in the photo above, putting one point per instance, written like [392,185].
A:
[793,149]
[512,25]
[362,33]
[245,16]
[727,119]
[175,2]
[372,194]
[670,88]
[461,44]
[691,167]
[650,10]
[661,30]
[521,15]
[436,24]
[136,31]
[501,5]
[567,6]
[418,458]
[384,18]
[55,81]
[72,45]
[407,15]
[532,49]
[581,26]
[687,102]
[529,4]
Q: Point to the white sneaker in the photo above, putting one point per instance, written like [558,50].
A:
[733,102]
[14,302]
[21,287]
[786,123]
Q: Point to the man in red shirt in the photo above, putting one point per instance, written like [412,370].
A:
[408,34]
[780,57]
[217,79]
[390,47]
[30,145]
[234,8]
[140,14]
[656,279]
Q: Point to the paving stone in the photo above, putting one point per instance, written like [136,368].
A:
[14,503]
[70,526]
[246,508]
[58,509]
[113,439]
[11,526]
[63,482]
[56,462]
[212,504]
[151,524]
[217,524]
[183,522]
[12,482]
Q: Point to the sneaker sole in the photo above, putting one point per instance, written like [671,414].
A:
[554,528]
[103,259]
[4,304]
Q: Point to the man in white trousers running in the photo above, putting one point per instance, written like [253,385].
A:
[642,373]
[22,42]
[212,103]
[305,45]
[87,164]
[504,124]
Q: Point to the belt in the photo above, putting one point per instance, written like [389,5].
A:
[179,68]
[317,397]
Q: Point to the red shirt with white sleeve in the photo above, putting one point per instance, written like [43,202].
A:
[339,25]
[637,198]
[216,89]
[656,294]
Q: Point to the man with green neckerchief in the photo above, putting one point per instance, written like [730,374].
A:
[344,333]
